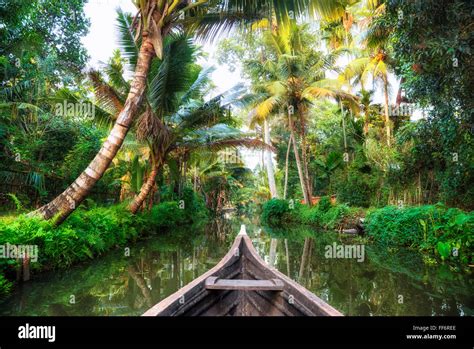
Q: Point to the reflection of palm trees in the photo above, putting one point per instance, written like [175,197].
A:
[141,283]
[273,250]
[305,257]
[175,270]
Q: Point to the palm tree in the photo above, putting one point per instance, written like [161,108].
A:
[368,108]
[327,167]
[377,66]
[293,76]
[70,198]
[374,60]
[174,120]
[178,119]
[155,20]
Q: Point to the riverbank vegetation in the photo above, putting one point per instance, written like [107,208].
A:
[90,232]
[442,233]
[351,111]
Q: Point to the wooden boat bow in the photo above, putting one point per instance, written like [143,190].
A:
[242,284]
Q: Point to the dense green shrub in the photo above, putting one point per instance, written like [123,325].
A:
[324,204]
[356,190]
[278,212]
[307,215]
[445,232]
[334,216]
[194,206]
[167,215]
[275,211]
[193,203]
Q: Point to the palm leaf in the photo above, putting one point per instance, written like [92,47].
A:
[126,39]
[106,97]
[171,75]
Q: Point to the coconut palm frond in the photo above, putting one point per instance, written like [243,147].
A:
[171,75]
[219,145]
[115,74]
[106,97]
[126,40]
[207,115]
[199,84]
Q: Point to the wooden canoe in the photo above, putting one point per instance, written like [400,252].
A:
[242,284]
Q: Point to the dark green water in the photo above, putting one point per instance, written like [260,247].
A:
[385,283]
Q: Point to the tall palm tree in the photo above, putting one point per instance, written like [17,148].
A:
[293,76]
[155,20]
[376,65]
[373,60]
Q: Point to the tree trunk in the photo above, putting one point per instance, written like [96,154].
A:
[273,250]
[304,258]
[269,162]
[139,199]
[387,116]
[366,123]
[343,116]
[285,190]
[271,183]
[64,204]
[306,197]
[304,152]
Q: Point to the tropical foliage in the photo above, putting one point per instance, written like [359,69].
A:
[357,113]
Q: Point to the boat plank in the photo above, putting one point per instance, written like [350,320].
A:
[214,283]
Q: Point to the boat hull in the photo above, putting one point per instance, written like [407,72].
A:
[242,284]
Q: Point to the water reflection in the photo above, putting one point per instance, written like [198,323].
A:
[384,284]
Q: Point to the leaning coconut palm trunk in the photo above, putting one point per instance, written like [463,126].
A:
[139,199]
[64,204]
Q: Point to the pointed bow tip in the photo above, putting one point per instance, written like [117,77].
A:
[242,231]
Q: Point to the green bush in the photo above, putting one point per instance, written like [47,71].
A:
[334,216]
[324,204]
[436,229]
[278,212]
[275,212]
[355,190]
[194,206]
[308,215]
[167,215]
